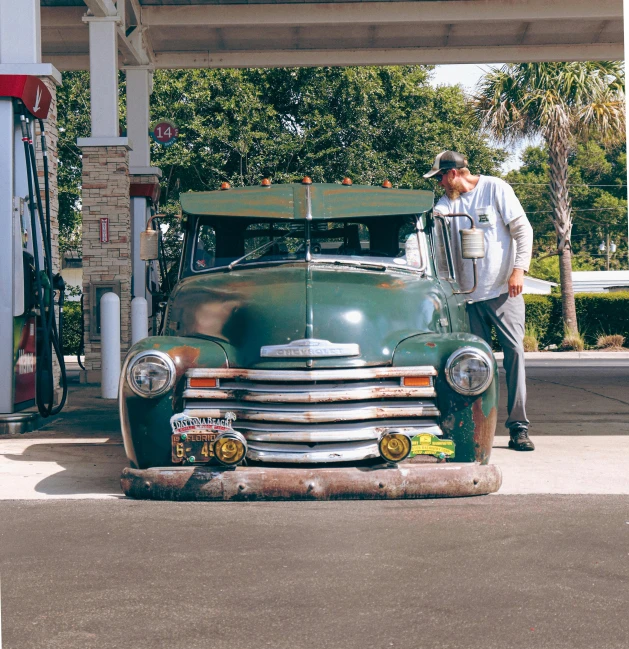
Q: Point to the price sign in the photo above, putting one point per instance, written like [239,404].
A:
[165,133]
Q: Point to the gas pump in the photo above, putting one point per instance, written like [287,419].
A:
[29,331]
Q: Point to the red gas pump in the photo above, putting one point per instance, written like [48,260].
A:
[27,313]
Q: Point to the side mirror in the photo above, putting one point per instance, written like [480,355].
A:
[149,239]
[472,244]
[149,245]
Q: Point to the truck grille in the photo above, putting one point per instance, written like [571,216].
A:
[313,416]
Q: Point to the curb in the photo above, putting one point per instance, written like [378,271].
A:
[565,356]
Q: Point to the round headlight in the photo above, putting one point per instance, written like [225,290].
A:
[151,373]
[394,447]
[230,448]
[469,371]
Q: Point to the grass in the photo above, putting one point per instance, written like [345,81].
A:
[531,338]
[614,342]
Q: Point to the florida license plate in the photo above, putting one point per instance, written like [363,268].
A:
[194,447]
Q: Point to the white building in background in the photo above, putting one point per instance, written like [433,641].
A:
[600,281]
[532,285]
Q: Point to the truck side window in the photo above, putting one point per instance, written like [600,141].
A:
[441,240]
[204,255]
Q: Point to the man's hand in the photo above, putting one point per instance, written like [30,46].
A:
[516,282]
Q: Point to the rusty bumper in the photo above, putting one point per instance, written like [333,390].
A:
[334,483]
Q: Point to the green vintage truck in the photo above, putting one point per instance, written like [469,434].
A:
[315,347]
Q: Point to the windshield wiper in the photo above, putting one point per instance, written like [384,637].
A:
[261,248]
[351,262]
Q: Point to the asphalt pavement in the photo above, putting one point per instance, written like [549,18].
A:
[531,572]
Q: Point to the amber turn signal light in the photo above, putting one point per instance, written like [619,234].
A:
[202,382]
[416,381]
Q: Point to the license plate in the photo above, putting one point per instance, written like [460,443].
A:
[193,447]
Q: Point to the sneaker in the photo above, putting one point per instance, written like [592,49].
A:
[520,440]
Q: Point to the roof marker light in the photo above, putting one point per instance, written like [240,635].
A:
[387,184]
[346,181]
[265,182]
[306,180]
[225,186]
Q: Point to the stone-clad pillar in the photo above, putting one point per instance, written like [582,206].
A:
[105,197]
[106,264]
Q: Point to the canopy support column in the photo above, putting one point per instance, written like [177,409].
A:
[144,187]
[105,197]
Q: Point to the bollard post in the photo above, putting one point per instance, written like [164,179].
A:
[110,345]
[139,319]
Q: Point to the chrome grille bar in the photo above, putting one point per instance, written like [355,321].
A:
[315,413]
[363,373]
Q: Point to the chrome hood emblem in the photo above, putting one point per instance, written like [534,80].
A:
[310,348]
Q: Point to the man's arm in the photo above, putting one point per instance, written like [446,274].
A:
[522,234]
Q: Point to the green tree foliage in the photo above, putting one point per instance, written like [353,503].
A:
[597,176]
[564,103]
[239,126]
[73,101]
[369,123]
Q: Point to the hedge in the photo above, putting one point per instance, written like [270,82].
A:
[71,328]
[597,314]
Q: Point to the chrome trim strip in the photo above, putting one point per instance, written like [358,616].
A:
[338,434]
[317,415]
[309,396]
[333,453]
[313,375]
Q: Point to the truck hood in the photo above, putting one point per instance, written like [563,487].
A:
[248,308]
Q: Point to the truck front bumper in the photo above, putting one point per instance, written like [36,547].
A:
[411,481]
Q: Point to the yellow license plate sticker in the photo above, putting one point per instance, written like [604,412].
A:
[428,444]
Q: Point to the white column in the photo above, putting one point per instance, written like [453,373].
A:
[20,31]
[104,76]
[139,82]
[110,341]
[139,89]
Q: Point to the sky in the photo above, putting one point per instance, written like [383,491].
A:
[468,76]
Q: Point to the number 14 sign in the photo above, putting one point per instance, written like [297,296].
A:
[165,133]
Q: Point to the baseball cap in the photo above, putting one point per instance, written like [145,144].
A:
[447,160]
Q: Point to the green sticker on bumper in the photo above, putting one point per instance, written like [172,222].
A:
[431,445]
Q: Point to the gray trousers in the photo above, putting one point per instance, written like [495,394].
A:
[506,314]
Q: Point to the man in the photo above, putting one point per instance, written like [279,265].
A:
[497,300]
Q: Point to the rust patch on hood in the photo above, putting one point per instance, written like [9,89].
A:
[484,429]
[393,284]
[184,357]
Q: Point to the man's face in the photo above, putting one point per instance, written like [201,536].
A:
[451,182]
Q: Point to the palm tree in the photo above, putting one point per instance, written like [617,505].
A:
[564,103]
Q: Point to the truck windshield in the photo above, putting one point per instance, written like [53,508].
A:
[221,242]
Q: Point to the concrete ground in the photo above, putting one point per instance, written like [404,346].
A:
[580,425]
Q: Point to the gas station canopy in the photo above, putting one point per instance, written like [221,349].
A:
[266,33]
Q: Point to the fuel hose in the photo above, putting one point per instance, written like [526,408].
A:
[44,393]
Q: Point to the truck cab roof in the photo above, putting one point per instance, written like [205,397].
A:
[303,201]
